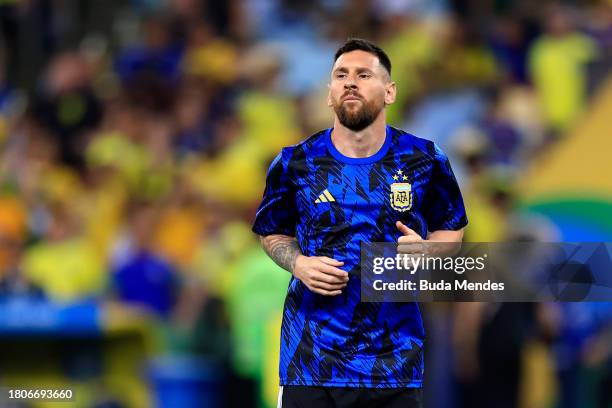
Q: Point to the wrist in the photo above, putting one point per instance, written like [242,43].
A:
[295,262]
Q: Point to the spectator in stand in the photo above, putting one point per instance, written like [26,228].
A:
[557,62]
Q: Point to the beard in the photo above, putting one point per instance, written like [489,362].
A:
[357,118]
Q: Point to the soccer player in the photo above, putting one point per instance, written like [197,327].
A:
[360,181]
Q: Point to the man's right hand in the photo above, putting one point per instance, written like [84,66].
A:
[321,274]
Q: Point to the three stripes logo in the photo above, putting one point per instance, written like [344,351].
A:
[325,197]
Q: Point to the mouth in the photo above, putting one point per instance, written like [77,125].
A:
[351,98]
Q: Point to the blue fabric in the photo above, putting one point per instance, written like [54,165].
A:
[147,280]
[164,63]
[340,341]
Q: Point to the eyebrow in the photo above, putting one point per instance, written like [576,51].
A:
[359,70]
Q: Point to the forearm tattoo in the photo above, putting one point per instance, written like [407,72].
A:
[282,249]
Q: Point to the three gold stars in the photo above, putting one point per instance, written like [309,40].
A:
[400,173]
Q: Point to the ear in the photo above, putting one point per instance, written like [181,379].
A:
[329,98]
[390,93]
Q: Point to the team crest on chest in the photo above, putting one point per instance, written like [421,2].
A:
[401,192]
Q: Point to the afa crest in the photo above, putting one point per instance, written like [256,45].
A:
[401,193]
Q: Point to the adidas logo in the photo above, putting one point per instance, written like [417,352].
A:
[325,197]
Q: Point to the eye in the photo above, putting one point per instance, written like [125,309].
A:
[340,75]
[364,75]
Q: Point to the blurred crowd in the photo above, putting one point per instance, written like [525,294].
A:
[135,138]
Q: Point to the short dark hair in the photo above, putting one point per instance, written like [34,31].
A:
[354,44]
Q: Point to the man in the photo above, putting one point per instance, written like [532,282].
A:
[360,181]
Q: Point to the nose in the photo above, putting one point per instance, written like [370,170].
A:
[350,84]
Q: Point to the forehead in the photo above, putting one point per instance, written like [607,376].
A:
[357,59]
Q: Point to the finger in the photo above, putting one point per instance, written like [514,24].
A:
[326,292]
[324,277]
[331,270]
[330,261]
[417,245]
[407,239]
[404,229]
[408,252]
[327,286]
[410,249]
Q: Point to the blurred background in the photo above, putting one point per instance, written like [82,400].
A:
[134,141]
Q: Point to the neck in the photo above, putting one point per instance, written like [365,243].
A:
[364,143]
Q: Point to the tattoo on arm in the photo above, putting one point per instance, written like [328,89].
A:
[282,249]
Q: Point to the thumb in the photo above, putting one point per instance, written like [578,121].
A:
[404,229]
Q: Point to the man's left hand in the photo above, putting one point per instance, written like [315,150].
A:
[410,242]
